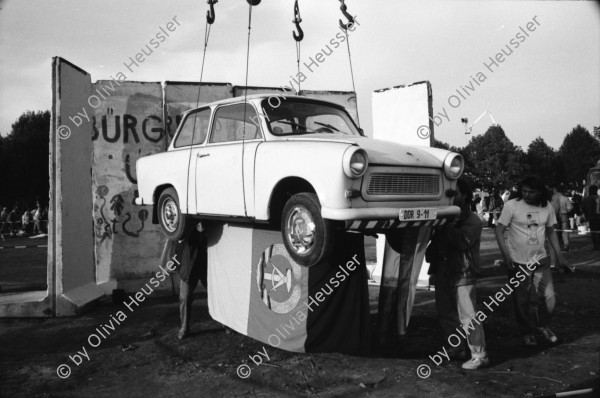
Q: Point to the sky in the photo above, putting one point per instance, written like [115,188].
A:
[544,87]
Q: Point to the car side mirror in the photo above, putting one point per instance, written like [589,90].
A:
[361,131]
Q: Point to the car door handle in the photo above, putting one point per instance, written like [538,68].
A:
[202,155]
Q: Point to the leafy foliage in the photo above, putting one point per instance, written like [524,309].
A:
[24,172]
[578,153]
[493,161]
[543,160]
[443,145]
[440,144]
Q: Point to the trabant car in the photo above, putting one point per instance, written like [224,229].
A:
[298,163]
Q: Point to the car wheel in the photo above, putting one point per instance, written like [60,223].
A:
[172,222]
[306,235]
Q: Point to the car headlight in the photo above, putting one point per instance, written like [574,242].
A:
[453,166]
[355,162]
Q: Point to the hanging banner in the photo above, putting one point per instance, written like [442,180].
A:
[257,289]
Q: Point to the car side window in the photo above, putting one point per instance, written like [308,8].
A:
[228,124]
[194,128]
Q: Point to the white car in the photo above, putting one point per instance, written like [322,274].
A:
[298,163]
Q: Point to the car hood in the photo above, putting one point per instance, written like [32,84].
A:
[385,152]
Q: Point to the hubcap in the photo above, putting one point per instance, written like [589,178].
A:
[170,215]
[300,231]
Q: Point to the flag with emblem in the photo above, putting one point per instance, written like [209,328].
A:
[257,289]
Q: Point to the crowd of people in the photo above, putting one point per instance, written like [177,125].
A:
[567,202]
[32,221]
[527,221]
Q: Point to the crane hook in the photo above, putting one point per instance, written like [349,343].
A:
[296,21]
[344,26]
[210,14]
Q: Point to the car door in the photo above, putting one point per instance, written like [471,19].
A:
[191,137]
[223,180]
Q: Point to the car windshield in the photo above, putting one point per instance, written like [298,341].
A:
[287,116]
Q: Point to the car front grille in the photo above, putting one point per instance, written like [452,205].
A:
[403,184]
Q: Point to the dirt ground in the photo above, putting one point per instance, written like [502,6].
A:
[23,263]
[143,358]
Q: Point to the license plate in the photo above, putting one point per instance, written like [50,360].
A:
[418,214]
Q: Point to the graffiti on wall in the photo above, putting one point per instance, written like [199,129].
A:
[128,129]
[123,138]
[111,216]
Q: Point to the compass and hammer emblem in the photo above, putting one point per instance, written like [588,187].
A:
[278,279]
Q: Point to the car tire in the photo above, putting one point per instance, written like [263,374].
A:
[306,235]
[173,222]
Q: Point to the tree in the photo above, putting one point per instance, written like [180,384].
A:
[24,161]
[578,152]
[443,145]
[543,160]
[493,161]
[440,144]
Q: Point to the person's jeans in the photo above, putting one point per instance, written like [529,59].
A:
[186,297]
[528,313]
[466,296]
[565,225]
[445,303]
[455,306]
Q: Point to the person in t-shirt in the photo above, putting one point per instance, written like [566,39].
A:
[496,204]
[562,206]
[37,219]
[25,221]
[591,209]
[13,220]
[4,219]
[529,219]
[575,213]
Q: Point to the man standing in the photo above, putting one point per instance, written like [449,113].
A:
[454,257]
[591,209]
[575,214]
[487,202]
[37,218]
[528,219]
[496,204]
[14,219]
[192,255]
[562,206]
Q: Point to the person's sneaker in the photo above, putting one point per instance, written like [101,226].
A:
[476,363]
[548,334]
[529,340]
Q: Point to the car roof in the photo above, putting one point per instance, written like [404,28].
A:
[253,97]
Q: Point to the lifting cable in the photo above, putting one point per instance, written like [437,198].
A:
[210,19]
[297,37]
[345,27]
[251,3]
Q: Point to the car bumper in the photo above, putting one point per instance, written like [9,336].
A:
[382,218]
